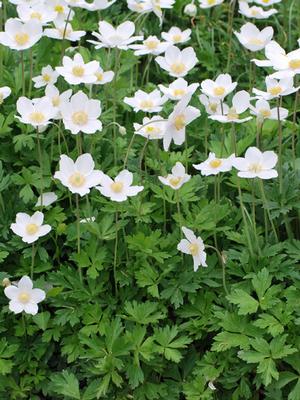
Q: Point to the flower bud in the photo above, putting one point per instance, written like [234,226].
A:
[6,282]
[190,10]
[122,130]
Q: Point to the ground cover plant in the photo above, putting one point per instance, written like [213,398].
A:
[149,199]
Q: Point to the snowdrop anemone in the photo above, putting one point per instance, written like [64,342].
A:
[209,3]
[120,188]
[190,10]
[120,37]
[272,50]
[63,31]
[57,99]
[47,77]
[213,105]
[276,88]
[98,5]
[177,62]
[21,36]
[29,2]
[23,297]
[214,165]
[40,12]
[177,178]
[61,9]
[194,246]
[30,228]
[5,92]
[178,89]
[152,128]
[256,164]
[263,111]
[240,103]
[147,102]
[252,38]
[152,45]
[182,115]
[176,36]
[103,77]
[159,5]
[267,2]
[79,176]
[255,12]
[46,199]
[219,88]
[139,6]
[36,112]
[80,114]
[76,71]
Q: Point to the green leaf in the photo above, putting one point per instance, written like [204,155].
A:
[65,384]
[270,323]
[227,340]
[246,303]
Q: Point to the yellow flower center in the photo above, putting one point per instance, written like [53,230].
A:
[55,101]
[77,179]
[24,297]
[194,249]
[80,118]
[178,68]
[37,117]
[232,114]
[266,1]
[275,90]
[213,107]
[294,64]
[211,2]
[256,41]
[178,92]
[36,15]
[255,168]
[179,122]
[117,187]
[59,8]
[177,38]
[146,104]
[46,77]
[21,38]
[175,180]
[1,98]
[64,33]
[254,12]
[219,91]
[78,70]
[151,44]
[99,76]
[215,163]
[265,112]
[32,229]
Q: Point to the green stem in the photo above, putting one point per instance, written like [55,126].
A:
[223,267]
[265,205]
[40,156]
[279,145]
[32,261]
[78,234]
[116,253]
[245,220]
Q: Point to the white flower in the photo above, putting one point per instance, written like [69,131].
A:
[57,99]
[29,2]
[263,111]
[23,297]
[37,112]
[5,91]
[213,105]
[81,114]
[30,228]
[240,103]
[219,88]
[98,5]
[287,65]
[267,2]
[120,188]
[76,71]
[276,88]
[19,35]
[103,77]
[62,10]
[214,165]
[182,115]
[87,220]
[152,128]
[139,6]
[193,245]
[255,12]
[176,35]
[40,12]
[48,77]
[177,178]
[159,5]
[48,198]
[151,45]
[120,37]
[178,89]
[210,3]
[252,38]
[190,10]
[177,62]
[62,31]
[256,164]
[79,176]
[147,102]
[273,51]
